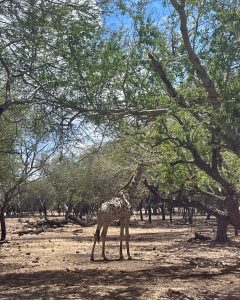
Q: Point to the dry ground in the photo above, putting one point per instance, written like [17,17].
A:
[55,264]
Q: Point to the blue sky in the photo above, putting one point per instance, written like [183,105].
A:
[156,10]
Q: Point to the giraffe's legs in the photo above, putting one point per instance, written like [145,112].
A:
[127,239]
[96,238]
[121,238]
[103,236]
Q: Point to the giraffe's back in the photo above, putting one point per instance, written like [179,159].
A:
[114,209]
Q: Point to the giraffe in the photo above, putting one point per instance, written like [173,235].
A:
[118,208]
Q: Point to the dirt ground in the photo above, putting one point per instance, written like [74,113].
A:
[56,264]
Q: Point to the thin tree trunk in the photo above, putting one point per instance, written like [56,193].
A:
[155,211]
[163,212]
[208,217]
[45,209]
[140,207]
[170,213]
[67,213]
[235,231]
[3,224]
[190,216]
[141,214]
[149,214]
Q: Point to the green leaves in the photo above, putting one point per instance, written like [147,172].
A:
[61,59]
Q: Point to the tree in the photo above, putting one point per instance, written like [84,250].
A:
[43,46]
[39,196]
[198,89]
[23,158]
[200,97]
[95,176]
[219,124]
[40,44]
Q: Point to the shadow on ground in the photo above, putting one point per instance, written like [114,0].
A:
[98,283]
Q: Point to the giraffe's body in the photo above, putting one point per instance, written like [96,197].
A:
[118,208]
[112,210]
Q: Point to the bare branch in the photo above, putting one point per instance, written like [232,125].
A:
[124,112]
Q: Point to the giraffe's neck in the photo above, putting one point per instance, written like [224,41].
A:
[131,186]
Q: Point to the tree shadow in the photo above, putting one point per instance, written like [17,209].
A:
[135,237]
[9,266]
[230,294]
[205,245]
[81,284]
[98,283]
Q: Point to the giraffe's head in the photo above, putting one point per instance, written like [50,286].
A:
[142,163]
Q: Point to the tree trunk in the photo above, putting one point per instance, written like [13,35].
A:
[222,224]
[149,214]
[235,231]
[170,213]
[78,221]
[69,209]
[208,217]
[190,216]
[3,224]
[163,212]
[45,209]
[184,215]
[232,206]
[59,210]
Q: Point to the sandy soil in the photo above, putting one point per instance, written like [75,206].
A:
[56,264]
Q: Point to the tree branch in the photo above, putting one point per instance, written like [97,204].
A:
[200,70]
[5,106]
[124,112]
[228,134]
[181,161]
[163,75]
[204,166]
